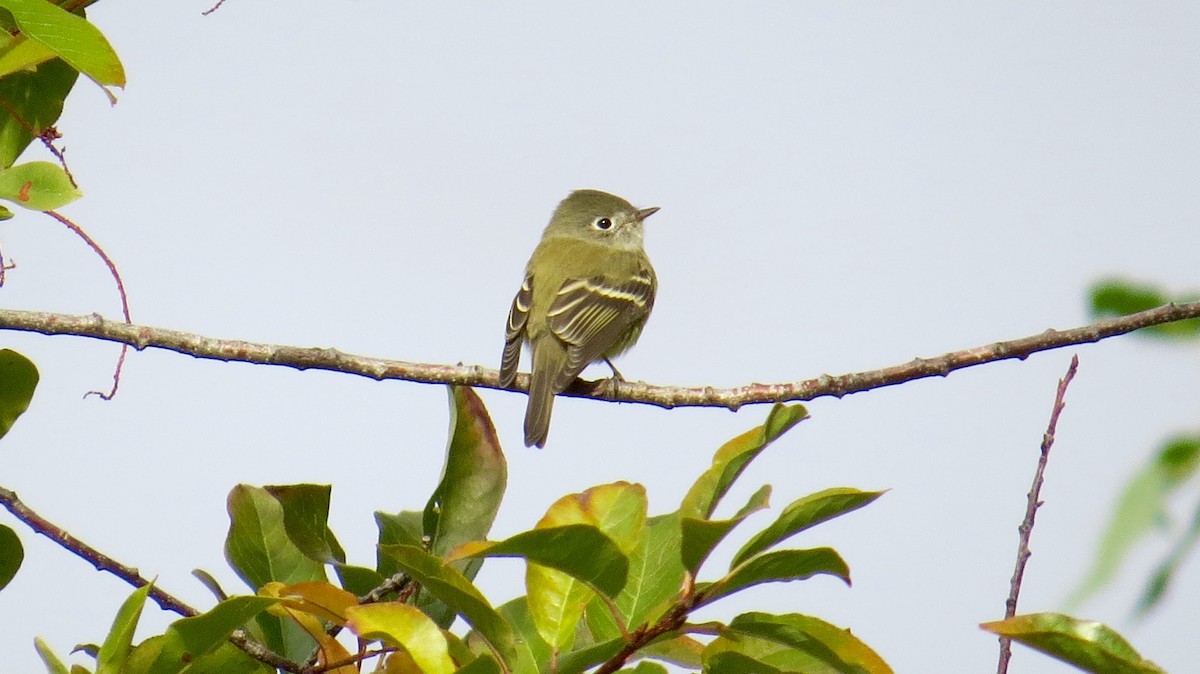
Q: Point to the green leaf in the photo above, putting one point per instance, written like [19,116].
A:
[464,505]
[227,659]
[400,529]
[259,550]
[483,664]
[1090,646]
[1141,508]
[1161,580]
[645,667]
[835,648]
[405,626]
[450,586]
[115,649]
[778,566]
[12,553]
[556,597]
[21,54]
[681,650]
[37,185]
[72,38]
[533,653]
[258,546]
[466,500]
[358,579]
[188,639]
[654,582]
[732,662]
[53,664]
[306,520]
[733,457]
[34,100]
[581,551]
[805,513]
[18,379]
[1121,297]
[734,652]
[701,536]
[579,660]
[206,579]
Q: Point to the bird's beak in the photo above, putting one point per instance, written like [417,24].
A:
[645,213]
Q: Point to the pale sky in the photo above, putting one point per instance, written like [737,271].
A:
[844,186]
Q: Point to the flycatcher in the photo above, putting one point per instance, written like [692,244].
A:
[587,293]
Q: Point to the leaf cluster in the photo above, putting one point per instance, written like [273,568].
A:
[606,583]
[44,47]
[608,587]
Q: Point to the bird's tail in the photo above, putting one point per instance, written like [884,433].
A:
[547,361]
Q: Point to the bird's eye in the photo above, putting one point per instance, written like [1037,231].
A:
[602,223]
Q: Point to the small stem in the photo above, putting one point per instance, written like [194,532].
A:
[112,269]
[1032,504]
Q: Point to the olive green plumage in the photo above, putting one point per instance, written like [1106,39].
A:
[587,293]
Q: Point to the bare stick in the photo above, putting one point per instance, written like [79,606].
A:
[112,269]
[301,358]
[130,575]
[1031,508]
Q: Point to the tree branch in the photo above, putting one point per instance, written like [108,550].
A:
[1031,507]
[301,358]
[130,575]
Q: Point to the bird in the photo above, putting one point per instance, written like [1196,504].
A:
[587,292]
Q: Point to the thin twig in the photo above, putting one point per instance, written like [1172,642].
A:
[398,582]
[354,659]
[5,265]
[640,638]
[404,587]
[673,621]
[112,269]
[48,136]
[130,575]
[200,346]
[101,561]
[1031,508]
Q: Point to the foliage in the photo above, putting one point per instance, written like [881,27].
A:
[606,582]
[43,49]
[1090,646]
[1169,474]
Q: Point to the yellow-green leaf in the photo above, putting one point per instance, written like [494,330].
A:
[836,648]
[1090,646]
[53,664]
[450,586]
[404,626]
[557,599]
[71,37]
[115,649]
[37,185]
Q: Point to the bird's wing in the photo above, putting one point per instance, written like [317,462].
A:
[514,332]
[591,315]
